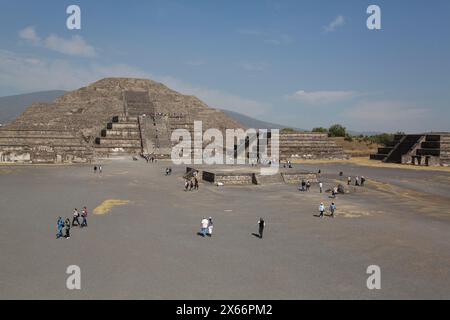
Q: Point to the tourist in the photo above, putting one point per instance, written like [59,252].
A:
[308,185]
[186,184]
[100,169]
[362,181]
[167,171]
[320,187]
[334,192]
[341,173]
[349,180]
[59,226]
[303,185]
[332,209]
[95,169]
[210,226]
[261,225]
[67,224]
[84,214]
[76,214]
[357,181]
[195,183]
[191,185]
[321,210]
[204,227]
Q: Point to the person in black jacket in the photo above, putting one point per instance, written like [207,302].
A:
[261,225]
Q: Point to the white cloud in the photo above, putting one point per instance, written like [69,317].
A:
[20,74]
[322,97]
[339,21]
[387,115]
[29,34]
[74,46]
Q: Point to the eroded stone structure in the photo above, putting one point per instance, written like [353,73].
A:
[116,116]
[429,149]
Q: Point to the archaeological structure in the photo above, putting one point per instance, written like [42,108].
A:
[126,116]
[428,149]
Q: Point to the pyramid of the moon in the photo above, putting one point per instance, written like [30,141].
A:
[125,116]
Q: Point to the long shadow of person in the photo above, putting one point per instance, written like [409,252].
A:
[256,235]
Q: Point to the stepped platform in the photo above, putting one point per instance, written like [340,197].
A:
[429,149]
[309,145]
[247,175]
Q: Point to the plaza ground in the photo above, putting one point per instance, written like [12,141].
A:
[145,246]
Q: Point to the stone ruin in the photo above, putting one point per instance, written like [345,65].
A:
[117,116]
[427,149]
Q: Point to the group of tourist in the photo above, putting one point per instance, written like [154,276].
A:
[149,158]
[99,168]
[65,225]
[332,209]
[191,184]
[304,185]
[207,226]
[168,171]
[358,181]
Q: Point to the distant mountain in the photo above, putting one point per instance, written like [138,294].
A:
[250,122]
[12,106]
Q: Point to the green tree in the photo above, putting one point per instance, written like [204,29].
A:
[336,130]
[320,130]
[287,130]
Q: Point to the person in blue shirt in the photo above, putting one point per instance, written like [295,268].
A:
[59,226]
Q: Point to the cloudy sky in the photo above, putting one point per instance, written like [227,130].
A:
[299,63]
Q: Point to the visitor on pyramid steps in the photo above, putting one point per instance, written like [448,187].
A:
[321,210]
[67,224]
[332,209]
[320,187]
[76,214]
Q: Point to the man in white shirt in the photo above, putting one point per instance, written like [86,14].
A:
[320,186]
[204,229]
[321,209]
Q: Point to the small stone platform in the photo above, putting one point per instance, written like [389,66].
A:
[248,175]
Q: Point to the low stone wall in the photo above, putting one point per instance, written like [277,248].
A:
[296,178]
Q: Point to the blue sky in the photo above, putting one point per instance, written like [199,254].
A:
[299,63]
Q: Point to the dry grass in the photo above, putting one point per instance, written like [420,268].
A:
[107,205]
[366,162]
[357,147]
